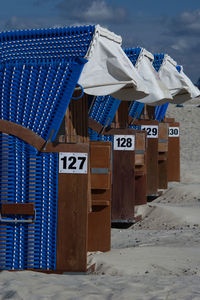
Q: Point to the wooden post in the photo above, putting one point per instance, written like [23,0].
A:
[72,214]
[174,151]
[123,189]
[163,156]
[99,219]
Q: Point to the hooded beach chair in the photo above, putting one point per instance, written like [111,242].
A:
[39,71]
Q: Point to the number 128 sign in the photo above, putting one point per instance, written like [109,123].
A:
[74,163]
[124,142]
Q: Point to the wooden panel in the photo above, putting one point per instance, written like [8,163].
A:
[72,222]
[149,112]
[162,147]
[174,156]
[100,203]
[139,159]
[163,131]
[113,131]
[145,122]
[152,166]
[100,155]
[162,156]
[100,181]
[76,121]
[99,229]
[17,209]
[140,190]
[51,148]
[101,194]
[94,125]
[123,192]
[162,174]
[169,120]
[140,142]
[121,117]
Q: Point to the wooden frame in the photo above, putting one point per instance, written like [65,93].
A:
[72,211]
[152,159]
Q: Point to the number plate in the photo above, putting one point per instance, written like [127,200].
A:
[124,142]
[152,131]
[73,163]
[173,132]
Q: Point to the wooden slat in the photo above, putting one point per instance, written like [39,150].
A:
[17,209]
[139,172]
[162,178]
[94,125]
[101,181]
[100,203]
[139,159]
[141,190]
[140,143]
[99,194]
[169,120]
[99,229]
[100,155]
[162,156]
[162,147]
[121,117]
[77,120]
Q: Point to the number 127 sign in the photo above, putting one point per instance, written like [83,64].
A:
[74,163]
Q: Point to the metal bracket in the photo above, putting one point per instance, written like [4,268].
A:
[99,170]
[49,139]
[4,220]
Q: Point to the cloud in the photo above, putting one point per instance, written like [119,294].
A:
[186,24]
[91,11]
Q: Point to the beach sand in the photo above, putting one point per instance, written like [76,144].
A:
[157,258]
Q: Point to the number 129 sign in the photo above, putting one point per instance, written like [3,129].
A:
[124,142]
[152,131]
[74,163]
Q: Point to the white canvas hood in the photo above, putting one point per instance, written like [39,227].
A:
[158,91]
[109,71]
[179,85]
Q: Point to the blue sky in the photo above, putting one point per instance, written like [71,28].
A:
[171,26]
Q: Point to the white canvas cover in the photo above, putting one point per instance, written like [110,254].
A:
[109,71]
[192,90]
[179,85]
[158,92]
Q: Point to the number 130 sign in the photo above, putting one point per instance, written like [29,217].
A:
[74,163]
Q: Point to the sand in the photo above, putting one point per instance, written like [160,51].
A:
[157,258]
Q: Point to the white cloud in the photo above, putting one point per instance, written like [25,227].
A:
[99,10]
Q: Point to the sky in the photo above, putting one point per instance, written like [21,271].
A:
[171,27]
